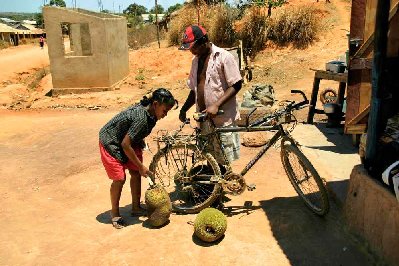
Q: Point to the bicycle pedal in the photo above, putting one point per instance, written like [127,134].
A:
[251,187]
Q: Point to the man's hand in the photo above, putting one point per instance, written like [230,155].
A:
[212,110]
[183,115]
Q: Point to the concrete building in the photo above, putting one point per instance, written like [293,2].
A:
[88,51]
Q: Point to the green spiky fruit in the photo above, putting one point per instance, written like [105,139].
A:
[159,206]
[210,225]
[157,197]
[159,216]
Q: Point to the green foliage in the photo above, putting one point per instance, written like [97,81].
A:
[17,16]
[140,75]
[105,11]
[173,8]
[210,225]
[39,20]
[158,8]
[60,3]
[151,18]
[135,10]
[134,20]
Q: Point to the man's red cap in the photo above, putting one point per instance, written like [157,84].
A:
[191,35]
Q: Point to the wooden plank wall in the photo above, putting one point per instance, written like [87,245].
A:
[358,15]
[359,81]
[393,34]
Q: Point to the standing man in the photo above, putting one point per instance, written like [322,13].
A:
[214,82]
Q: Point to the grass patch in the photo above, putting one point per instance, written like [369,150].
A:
[252,29]
[143,35]
[296,25]
[4,44]
[140,74]
[35,79]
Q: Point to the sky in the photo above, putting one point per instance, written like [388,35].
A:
[33,6]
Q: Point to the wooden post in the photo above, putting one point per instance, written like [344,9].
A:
[156,22]
[380,52]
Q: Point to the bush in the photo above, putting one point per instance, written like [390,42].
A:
[4,44]
[252,29]
[217,20]
[298,26]
[220,21]
[142,35]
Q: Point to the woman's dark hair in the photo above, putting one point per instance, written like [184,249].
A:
[160,95]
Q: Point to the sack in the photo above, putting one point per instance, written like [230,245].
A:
[259,95]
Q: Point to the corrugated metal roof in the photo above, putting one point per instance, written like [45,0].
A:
[31,29]
[6,28]
[7,20]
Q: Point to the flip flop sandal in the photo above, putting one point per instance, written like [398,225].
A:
[118,222]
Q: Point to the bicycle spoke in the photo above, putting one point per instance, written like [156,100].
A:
[305,179]
[188,173]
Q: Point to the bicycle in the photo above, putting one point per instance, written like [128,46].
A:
[194,179]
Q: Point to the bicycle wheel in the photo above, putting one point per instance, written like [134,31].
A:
[186,174]
[305,179]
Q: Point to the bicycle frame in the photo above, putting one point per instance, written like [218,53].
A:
[281,133]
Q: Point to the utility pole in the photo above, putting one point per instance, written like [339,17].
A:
[156,22]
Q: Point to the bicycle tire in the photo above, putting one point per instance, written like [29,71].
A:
[317,200]
[188,196]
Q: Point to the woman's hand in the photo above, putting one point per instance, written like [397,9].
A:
[144,171]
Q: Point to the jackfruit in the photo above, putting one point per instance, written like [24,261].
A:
[210,225]
[159,206]
[156,197]
[159,216]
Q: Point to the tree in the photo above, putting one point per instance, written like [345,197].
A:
[135,10]
[273,4]
[159,9]
[243,4]
[39,20]
[60,3]
[173,8]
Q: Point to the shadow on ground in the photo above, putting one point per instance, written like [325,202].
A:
[307,239]
[105,217]
[342,142]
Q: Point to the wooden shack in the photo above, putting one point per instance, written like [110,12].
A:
[361,51]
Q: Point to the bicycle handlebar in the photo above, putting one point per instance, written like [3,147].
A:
[201,117]
[300,104]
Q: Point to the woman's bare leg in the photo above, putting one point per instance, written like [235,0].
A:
[135,188]
[116,191]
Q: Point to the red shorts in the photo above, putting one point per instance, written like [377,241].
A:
[114,168]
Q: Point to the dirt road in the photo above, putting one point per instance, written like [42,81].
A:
[54,199]
[22,58]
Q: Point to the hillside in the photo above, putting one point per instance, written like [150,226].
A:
[284,68]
